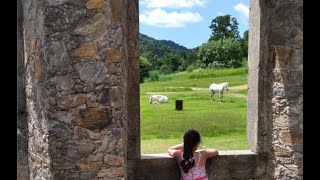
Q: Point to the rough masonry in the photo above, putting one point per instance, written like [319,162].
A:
[78,93]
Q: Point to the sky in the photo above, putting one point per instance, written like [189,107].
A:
[187,22]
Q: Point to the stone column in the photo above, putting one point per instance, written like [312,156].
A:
[275,107]
[22,126]
[81,61]
[285,147]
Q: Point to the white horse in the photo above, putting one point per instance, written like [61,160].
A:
[156,99]
[218,88]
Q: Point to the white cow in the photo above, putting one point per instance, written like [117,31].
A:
[157,99]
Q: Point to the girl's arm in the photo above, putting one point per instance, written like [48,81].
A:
[174,149]
[211,153]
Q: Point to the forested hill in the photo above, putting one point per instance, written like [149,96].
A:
[160,47]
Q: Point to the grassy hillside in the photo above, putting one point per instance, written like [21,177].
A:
[221,124]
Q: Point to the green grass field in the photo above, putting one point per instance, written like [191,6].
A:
[221,124]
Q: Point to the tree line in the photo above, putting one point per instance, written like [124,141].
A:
[224,49]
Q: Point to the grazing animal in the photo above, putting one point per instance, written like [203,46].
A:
[157,99]
[218,88]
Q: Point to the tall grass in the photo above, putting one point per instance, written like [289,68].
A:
[203,73]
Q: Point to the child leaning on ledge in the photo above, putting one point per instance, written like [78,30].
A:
[190,160]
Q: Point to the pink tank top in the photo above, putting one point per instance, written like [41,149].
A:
[195,173]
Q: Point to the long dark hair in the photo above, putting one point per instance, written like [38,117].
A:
[191,138]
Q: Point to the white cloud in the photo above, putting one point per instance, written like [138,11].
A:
[161,18]
[172,3]
[220,13]
[243,9]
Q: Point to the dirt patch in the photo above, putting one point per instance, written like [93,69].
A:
[196,89]
[237,95]
[233,88]
[239,87]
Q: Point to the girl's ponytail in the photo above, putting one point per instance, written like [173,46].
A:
[190,140]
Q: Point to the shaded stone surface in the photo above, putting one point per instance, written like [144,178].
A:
[94,118]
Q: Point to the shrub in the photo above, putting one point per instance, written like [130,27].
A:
[190,68]
[154,75]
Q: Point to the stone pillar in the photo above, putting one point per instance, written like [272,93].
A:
[286,54]
[133,89]
[81,63]
[275,107]
[22,126]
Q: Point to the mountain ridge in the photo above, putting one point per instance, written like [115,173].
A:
[159,47]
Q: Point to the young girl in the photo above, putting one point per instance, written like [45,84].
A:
[192,161]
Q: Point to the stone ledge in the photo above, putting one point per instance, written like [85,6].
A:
[233,164]
[221,153]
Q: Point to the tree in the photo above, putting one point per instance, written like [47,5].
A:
[145,67]
[223,53]
[244,43]
[224,27]
[171,62]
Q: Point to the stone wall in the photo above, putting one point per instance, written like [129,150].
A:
[81,59]
[228,165]
[78,75]
[275,106]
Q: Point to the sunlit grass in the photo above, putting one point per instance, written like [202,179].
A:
[222,124]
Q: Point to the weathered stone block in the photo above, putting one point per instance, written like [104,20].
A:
[113,55]
[86,51]
[65,82]
[113,160]
[285,121]
[116,8]
[95,4]
[93,27]
[90,166]
[91,72]
[111,172]
[104,96]
[281,151]
[57,57]
[64,116]
[94,118]
[294,76]
[71,101]
[292,137]
[287,58]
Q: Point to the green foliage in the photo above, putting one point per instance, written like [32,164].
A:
[159,47]
[190,68]
[222,53]
[145,67]
[217,73]
[165,69]
[244,43]
[244,64]
[171,62]
[202,77]
[166,56]
[224,27]
[154,75]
